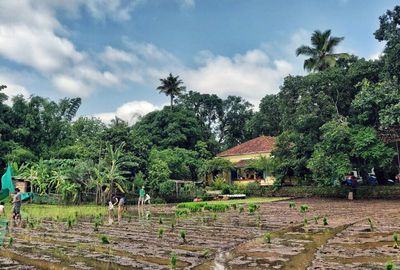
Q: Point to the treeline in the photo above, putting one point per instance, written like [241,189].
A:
[327,123]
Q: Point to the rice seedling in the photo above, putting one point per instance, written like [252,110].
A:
[371,224]
[234,206]
[390,266]
[396,240]
[316,218]
[304,208]
[205,253]
[241,209]
[104,239]
[325,221]
[267,238]
[173,261]
[182,234]
[160,221]
[10,242]
[173,224]
[305,221]
[292,205]
[181,213]
[161,233]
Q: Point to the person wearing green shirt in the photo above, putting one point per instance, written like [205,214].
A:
[141,196]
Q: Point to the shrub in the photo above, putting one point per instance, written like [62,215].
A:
[218,183]
[252,189]
[167,189]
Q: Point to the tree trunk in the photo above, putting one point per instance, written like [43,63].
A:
[172,102]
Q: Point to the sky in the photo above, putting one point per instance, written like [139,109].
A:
[112,53]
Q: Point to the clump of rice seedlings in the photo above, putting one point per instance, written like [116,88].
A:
[234,206]
[218,207]
[396,240]
[181,213]
[10,242]
[371,224]
[325,221]
[241,209]
[70,222]
[76,214]
[292,205]
[182,234]
[129,219]
[161,233]
[259,221]
[389,265]
[267,238]
[304,208]
[160,221]
[205,253]
[252,208]
[316,218]
[96,226]
[104,239]
[214,216]
[173,261]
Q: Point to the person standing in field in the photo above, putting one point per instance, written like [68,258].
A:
[2,211]
[16,209]
[121,207]
[141,196]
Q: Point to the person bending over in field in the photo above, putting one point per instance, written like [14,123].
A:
[111,204]
[147,198]
[121,208]
[16,209]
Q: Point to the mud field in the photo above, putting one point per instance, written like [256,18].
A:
[275,236]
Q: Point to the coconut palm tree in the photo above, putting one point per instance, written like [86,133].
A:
[321,52]
[171,86]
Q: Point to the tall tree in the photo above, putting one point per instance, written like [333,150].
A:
[389,31]
[321,52]
[171,86]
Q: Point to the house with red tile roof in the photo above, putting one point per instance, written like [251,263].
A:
[242,155]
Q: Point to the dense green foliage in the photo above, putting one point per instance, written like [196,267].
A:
[326,124]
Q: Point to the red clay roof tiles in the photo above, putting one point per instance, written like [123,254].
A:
[262,144]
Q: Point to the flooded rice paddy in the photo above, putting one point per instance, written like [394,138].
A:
[273,237]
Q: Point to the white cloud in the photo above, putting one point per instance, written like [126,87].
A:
[251,75]
[31,35]
[187,3]
[13,88]
[129,112]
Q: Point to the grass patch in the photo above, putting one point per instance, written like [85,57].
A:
[40,211]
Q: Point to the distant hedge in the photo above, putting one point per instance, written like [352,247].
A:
[362,192]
